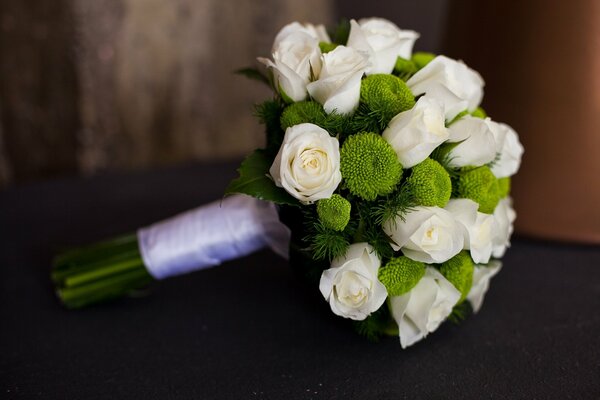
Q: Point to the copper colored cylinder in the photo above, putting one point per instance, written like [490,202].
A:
[541,63]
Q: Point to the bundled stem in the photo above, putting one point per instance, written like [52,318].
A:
[99,272]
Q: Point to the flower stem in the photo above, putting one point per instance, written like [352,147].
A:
[99,272]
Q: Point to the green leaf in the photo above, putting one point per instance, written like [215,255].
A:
[341,32]
[253,73]
[253,181]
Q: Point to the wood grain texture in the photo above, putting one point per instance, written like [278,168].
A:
[38,90]
[93,85]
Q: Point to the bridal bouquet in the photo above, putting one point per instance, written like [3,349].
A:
[391,183]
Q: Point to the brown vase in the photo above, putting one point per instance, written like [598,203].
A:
[541,63]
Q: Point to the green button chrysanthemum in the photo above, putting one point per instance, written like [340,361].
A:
[503,187]
[386,96]
[430,184]
[480,185]
[369,165]
[459,271]
[334,212]
[400,275]
[301,112]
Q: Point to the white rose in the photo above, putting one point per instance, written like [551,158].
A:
[338,86]
[316,31]
[383,41]
[296,58]
[479,228]
[422,310]
[511,152]
[477,145]
[415,133]
[307,165]
[450,81]
[482,274]
[428,234]
[351,286]
[504,216]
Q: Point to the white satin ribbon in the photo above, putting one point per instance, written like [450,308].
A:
[211,234]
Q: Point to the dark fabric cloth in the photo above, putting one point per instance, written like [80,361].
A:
[248,329]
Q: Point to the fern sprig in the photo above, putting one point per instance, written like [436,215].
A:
[442,155]
[397,204]
[322,242]
[367,120]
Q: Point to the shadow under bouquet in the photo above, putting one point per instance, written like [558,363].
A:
[391,183]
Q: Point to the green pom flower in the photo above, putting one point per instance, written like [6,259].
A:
[301,112]
[422,58]
[326,47]
[334,212]
[430,184]
[504,187]
[385,96]
[479,113]
[400,275]
[369,165]
[480,185]
[404,68]
[459,271]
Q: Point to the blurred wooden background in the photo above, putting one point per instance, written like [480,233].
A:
[93,85]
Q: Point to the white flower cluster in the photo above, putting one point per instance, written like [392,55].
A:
[308,166]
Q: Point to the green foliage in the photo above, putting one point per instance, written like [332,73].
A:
[269,113]
[459,271]
[377,325]
[337,124]
[458,116]
[284,96]
[369,165]
[327,47]
[341,32]
[312,112]
[460,312]
[382,96]
[430,184]
[401,274]
[396,204]
[253,181]
[303,112]
[404,68]
[334,212]
[376,237]
[504,187]
[479,113]
[371,232]
[254,74]
[480,185]
[325,243]
[421,58]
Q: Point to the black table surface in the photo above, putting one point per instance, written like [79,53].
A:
[248,329]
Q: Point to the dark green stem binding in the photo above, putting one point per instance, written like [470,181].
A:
[100,272]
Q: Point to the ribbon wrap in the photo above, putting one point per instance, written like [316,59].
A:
[211,234]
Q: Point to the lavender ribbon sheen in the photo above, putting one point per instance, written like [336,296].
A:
[211,234]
